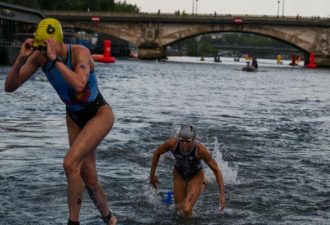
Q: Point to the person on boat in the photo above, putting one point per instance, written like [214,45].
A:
[254,63]
[188,174]
[217,58]
[89,118]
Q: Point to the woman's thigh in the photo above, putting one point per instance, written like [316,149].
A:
[179,189]
[85,142]
[194,189]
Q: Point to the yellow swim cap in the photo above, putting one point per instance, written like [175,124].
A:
[48,28]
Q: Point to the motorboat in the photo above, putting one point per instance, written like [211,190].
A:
[217,58]
[249,68]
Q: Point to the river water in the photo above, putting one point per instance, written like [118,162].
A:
[268,131]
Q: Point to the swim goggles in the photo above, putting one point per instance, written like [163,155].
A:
[185,140]
[40,48]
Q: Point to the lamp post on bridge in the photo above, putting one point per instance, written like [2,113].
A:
[193,9]
[278,9]
[196,6]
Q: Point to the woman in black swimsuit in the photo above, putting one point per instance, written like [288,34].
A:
[188,175]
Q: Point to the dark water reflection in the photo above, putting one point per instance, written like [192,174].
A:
[268,131]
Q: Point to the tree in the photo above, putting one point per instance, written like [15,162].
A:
[78,5]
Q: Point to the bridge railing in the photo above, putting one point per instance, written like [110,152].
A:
[173,15]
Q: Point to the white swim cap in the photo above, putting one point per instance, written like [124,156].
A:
[187,131]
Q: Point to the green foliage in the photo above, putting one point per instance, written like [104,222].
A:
[234,39]
[208,49]
[77,5]
[124,7]
[192,49]
[206,42]
[27,3]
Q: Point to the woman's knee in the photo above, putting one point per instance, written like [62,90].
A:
[71,167]
[187,210]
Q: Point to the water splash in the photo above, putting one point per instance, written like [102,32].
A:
[229,174]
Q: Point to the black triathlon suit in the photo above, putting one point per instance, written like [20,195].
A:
[187,165]
[84,115]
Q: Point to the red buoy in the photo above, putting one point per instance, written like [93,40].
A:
[293,63]
[311,63]
[106,57]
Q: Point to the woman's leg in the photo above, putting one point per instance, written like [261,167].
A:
[179,190]
[74,207]
[193,191]
[95,190]
[83,144]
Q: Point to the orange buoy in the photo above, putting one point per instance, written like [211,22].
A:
[106,57]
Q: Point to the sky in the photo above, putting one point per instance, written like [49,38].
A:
[306,8]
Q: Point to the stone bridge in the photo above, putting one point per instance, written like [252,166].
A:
[152,32]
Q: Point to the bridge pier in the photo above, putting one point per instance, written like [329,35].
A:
[322,61]
[152,53]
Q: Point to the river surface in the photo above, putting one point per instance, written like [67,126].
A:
[269,132]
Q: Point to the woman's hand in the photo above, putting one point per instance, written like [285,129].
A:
[51,49]
[27,49]
[154,181]
[222,201]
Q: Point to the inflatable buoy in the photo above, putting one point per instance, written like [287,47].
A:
[311,64]
[279,61]
[247,57]
[293,63]
[106,57]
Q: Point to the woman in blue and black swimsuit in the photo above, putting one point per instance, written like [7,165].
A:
[70,70]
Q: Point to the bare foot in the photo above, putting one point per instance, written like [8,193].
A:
[113,221]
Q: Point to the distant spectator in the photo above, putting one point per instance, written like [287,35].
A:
[88,10]
[158,11]
[215,13]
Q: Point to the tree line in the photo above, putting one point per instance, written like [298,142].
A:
[78,5]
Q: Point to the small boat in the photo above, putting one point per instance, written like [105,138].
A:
[217,58]
[249,68]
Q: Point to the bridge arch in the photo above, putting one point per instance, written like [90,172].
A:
[286,38]
[116,32]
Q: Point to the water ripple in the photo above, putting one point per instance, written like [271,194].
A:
[268,132]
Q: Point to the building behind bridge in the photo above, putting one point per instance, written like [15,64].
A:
[17,24]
